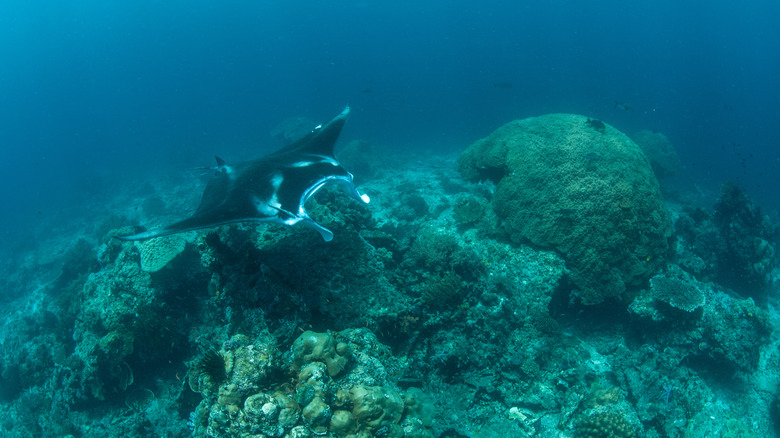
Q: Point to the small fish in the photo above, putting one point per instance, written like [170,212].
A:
[598,125]
[622,106]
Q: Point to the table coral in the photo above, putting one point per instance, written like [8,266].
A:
[680,292]
[589,194]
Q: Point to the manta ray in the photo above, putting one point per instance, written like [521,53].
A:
[273,188]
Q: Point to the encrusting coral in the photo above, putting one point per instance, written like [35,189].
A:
[326,397]
[321,347]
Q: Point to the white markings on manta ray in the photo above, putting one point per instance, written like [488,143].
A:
[273,188]
[322,159]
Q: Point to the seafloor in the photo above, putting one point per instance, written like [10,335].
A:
[428,315]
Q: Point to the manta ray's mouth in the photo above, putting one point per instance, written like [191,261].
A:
[346,184]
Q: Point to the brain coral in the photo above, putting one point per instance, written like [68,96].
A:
[581,187]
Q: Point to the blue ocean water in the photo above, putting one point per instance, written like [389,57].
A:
[94,93]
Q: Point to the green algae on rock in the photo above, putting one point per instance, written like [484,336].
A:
[589,194]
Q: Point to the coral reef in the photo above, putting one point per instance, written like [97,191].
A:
[746,254]
[670,290]
[728,332]
[318,400]
[207,371]
[468,210]
[588,193]
[734,246]
[320,347]
[659,152]
[678,293]
[604,424]
[422,318]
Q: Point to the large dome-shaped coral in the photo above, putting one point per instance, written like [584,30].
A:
[659,152]
[582,187]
